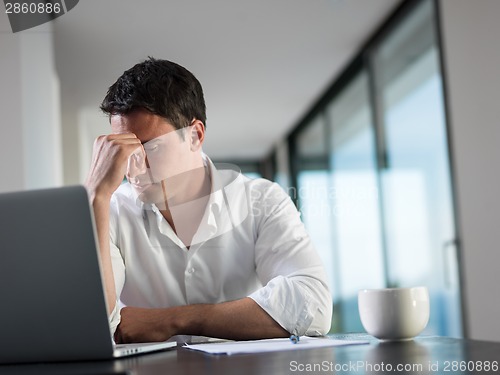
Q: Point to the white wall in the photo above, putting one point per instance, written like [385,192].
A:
[11,154]
[41,110]
[30,145]
[470,31]
[91,124]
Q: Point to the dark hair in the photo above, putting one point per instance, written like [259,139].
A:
[162,87]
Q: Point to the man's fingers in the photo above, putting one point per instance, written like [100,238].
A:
[127,142]
[125,138]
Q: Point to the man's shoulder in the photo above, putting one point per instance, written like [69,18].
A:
[229,177]
[232,180]
[260,183]
[265,188]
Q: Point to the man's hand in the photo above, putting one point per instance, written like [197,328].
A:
[144,325]
[109,162]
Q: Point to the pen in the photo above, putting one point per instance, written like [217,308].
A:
[294,339]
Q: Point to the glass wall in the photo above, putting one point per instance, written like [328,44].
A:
[416,186]
[356,219]
[373,175]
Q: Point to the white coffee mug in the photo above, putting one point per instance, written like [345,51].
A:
[394,313]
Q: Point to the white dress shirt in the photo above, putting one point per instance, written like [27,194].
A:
[251,242]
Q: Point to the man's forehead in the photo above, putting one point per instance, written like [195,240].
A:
[145,125]
[138,118]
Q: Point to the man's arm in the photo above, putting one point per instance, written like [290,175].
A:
[100,205]
[242,319]
[108,167]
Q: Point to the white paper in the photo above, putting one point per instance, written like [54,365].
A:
[270,345]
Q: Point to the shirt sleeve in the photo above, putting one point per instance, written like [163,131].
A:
[295,291]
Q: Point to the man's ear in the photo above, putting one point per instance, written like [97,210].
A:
[197,134]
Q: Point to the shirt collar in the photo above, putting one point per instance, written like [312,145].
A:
[219,182]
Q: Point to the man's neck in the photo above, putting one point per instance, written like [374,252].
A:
[190,187]
[187,187]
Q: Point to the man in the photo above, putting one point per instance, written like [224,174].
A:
[190,249]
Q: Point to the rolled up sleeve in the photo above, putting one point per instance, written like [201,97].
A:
[295,292]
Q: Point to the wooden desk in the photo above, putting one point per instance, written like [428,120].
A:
[425,355]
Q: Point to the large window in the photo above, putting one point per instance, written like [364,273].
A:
[418,210]
[356,219]
[372,168]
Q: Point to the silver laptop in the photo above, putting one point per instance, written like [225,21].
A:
[52,304]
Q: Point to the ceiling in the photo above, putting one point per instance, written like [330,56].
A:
[262,63]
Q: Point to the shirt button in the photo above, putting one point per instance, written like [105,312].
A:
[191,270]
